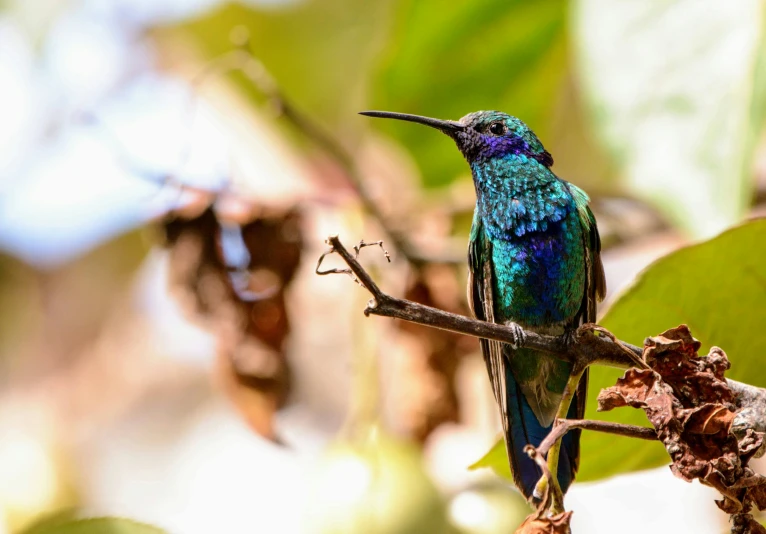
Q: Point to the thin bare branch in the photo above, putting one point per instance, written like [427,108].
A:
[586,346]
[589,344]
[551,498]
[563,426]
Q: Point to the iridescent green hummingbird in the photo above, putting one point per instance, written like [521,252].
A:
[534,259]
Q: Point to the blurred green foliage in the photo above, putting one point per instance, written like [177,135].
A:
[586,75]
[63,524]
[319,51]
[334,58]
[488,54]
[375,484]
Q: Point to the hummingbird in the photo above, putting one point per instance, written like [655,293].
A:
[534,258]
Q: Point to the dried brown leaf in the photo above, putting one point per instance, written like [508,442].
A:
[709,419]
[242,304]
[695,380]
[746,524]
[558,524]
[758,496]
[689,403]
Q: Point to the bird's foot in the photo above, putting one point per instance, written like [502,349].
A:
[519,337]
[570,336]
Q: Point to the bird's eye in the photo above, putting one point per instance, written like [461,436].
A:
[497,128]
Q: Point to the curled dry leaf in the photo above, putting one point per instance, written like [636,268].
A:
[695,380]
[688,401]
[746,524]
[535,524]
[232,279]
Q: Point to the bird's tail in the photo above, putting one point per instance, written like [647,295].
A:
[523,428]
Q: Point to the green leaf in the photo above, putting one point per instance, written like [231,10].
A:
[97,525]
[678,105]
[509,55]
[495,459]
[718,288]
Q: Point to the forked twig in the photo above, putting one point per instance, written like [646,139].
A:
[357,249]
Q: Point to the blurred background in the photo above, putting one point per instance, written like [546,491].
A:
[169,170]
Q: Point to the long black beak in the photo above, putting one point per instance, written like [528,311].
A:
[448,127]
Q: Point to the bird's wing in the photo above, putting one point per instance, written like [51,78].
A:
[481,300]
[595,290]
[595,282]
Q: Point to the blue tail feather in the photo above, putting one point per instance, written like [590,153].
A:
[524,429]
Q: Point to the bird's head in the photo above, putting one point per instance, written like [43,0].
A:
[482,135]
